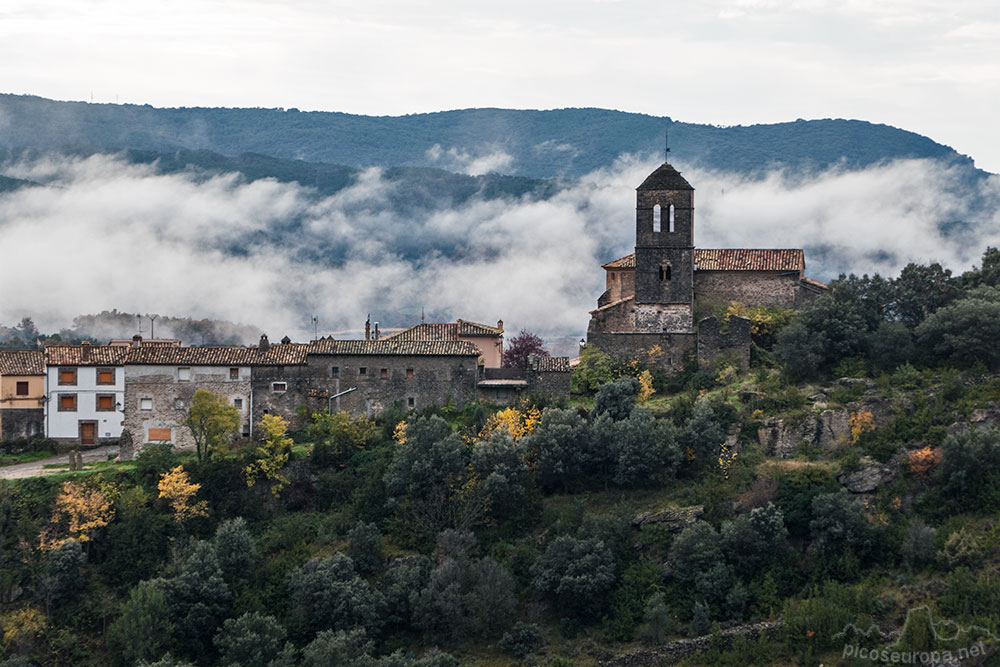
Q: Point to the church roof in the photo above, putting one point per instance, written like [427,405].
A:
[734,259]
[665,177]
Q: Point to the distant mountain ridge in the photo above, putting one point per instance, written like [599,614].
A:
[565,143]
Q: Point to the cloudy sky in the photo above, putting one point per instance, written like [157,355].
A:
[929,67]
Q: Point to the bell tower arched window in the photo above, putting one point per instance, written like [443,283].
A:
[657,218]
[670,218]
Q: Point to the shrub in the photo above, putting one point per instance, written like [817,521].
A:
[969,473]
[961,549]
[657,621]
[616,399]
[701,620]
[522,640]
[842,537]
[918,546]
[235,549]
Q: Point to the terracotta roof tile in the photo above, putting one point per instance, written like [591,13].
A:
[86,355]
[749,259]
[553,364]
[22,362]
[391,346]
[734,259]
[277,355]
[665,177]
[612,304]
[812,283]
[466,328]
[446,331]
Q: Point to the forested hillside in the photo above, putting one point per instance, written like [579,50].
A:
[849,479]
[540,144]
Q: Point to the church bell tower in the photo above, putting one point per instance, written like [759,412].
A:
[664,252]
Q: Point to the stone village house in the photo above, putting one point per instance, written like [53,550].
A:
[22,394]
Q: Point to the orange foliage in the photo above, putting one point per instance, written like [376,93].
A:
[862,422]
[924,462]
[79,511]
[177,489]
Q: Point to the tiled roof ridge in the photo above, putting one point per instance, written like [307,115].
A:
[394,346]
[734,259]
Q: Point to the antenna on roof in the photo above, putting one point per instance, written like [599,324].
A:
[666,144]
[421,314]
[315,327]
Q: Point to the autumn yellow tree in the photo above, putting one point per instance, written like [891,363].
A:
[78,513]
[272,455]
[177,489]
[645,386]
[518,423]
[861,422]
[213,422]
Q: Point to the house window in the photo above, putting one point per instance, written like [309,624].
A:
[22,389]
[145,404]
[335,372]
[67,402]
[410,402]
[105,402]
[362,371]
[656,218]
[238,403]
[409,373]
[613,276]
[159,435]
[184,374]
[234,374]
[105,376]
[279,387]
[67,376]
[665,273]
[384,373]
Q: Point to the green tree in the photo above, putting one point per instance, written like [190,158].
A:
[920,290]
[328,594]
[562,449]
[842,538]
[595,369]
[616,399]
[272,455]
[145,628]
[969,474]
[235,549]
[337,436]
[253,640]
[213,422]
[964,332]
[577,573]
[364,547]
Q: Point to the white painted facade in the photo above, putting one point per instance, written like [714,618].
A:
[94,403]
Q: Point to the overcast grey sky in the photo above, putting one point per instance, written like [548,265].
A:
[929,67]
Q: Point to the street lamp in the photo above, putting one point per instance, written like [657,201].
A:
[329,401]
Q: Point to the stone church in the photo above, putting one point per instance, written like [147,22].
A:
[653,295]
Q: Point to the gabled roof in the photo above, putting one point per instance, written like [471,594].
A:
[445,331]
[665,177]
[612,304]
[86,355]
[22,362]
[276,355]
[734,259]
[392,346]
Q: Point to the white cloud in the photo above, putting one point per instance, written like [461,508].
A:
[105,234]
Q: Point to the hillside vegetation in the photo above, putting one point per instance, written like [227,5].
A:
[541,144]
[850,476]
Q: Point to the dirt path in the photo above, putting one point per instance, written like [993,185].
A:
[37,468]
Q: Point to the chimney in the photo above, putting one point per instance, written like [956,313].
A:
[368,328]
[136,342]
[376,331]
[286,340]
[264,344]
[500,325]
[86,350]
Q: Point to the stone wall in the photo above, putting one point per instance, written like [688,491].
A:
[671,318]
[734,343]
[171,400]
[412,381]
[674,652]
[753,288]
[619,317]
[674,347]
[22,423]
[620,284]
